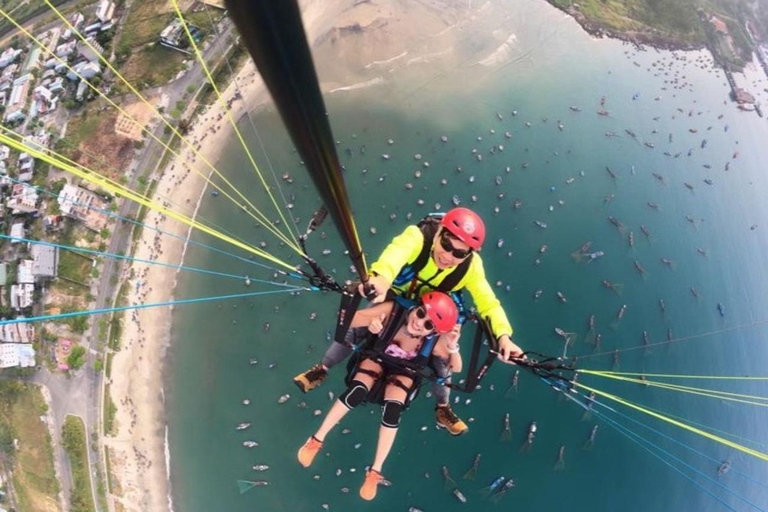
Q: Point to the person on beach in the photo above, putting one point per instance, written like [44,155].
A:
[407,334]
[439,254]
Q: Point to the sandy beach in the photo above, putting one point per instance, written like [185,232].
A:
[137,451]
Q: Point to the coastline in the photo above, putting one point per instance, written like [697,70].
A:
[138,451]
[650,38]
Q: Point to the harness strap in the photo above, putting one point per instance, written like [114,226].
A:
[392,379]
[371,373]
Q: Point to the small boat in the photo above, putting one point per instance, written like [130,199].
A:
[542,225]
[747,107]
[455,200]
[500,243]
[242,426]
[250,444]
[650,145]
[260,467]
[460,495]
[724,467]
[575,108]
[253,361]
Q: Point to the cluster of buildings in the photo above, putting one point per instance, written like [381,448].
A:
[32,82]
[16,340]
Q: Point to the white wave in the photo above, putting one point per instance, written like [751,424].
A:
[427,57]
[387,61]
[168,469]
[502,54]
[361,85]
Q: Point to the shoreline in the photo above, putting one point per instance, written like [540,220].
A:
[654,40]
[139,453]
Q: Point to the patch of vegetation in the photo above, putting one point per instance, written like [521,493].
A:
[221,74]
[73,438]
[34,478]
[152,65]
[110,411]
[76,358]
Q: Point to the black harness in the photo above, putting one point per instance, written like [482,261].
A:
[373,347]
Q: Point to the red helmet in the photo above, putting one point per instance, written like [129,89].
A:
[441,309]
[465,225]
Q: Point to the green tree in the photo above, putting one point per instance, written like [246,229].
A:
[76,358]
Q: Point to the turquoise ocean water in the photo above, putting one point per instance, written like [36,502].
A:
[548,66]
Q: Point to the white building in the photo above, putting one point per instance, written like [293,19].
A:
[9,56]
[57,85]
[83,205]
[22,296]
[76,20]
[63,50]
[16,354]
[105,10]
[17,333]
[46,261]
[17,102]
[90,51]
[23,200]
[86,70]
[17,231]
[26,272]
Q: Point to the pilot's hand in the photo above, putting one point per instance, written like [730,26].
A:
[377,324]
[508,348]
[380,284]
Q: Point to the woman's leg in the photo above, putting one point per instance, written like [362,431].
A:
[355,393]
[394,402]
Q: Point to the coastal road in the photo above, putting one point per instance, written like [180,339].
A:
[145,163]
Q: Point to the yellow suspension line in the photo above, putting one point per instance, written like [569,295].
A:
[726,442]
[129,194]
[106,165]
[673,376]
[264,220]
[711,393]
[63,158]
[232,122]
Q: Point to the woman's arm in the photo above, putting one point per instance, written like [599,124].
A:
[365,317]
[450,345]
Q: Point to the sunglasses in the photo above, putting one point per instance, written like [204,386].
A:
[421,314]
[445,243]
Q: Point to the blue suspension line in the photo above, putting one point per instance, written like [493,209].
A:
[694,450]
[629,433]
[185,239]
[632,435]
[46,318]
[139,260]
